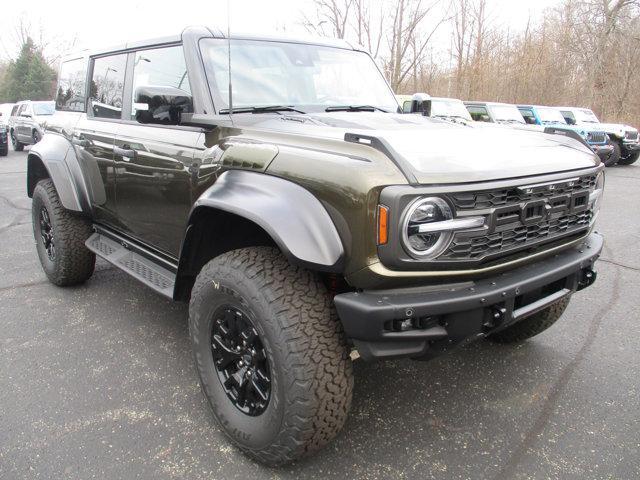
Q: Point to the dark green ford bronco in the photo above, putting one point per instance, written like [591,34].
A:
[304,218]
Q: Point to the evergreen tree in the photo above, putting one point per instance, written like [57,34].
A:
[28,77]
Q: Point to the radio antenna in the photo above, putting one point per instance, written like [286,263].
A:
[229,59]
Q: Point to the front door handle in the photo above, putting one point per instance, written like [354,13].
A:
[80,142]
[126,153]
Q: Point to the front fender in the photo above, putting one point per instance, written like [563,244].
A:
[58,157]
[292,216]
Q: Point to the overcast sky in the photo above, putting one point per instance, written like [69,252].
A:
[111,22]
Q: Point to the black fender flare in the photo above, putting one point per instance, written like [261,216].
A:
[58,157]
[291,215]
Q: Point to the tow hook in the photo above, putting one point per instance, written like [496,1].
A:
[495,317]
[587,277]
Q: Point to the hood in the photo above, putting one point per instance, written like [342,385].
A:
[616,128]
[437,151]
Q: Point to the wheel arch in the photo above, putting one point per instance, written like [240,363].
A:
[245,209]
[54,157]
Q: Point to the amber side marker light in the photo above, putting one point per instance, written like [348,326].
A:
[383,224]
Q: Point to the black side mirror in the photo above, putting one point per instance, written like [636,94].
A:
[161,105]
[421,103]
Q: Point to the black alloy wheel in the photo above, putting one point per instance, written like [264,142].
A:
[240,360]
[46,234]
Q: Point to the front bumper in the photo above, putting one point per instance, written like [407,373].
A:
[603,151]
[438,318]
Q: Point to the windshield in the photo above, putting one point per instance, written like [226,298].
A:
[550,115]
[441,107]
[307,77]
[43,108]
[586,116]
[506,113]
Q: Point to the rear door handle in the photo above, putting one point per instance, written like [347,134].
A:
[126,153]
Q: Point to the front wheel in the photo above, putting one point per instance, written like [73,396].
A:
[615,154]
[60,236]
[271,354]
[629,159]
[17,146]
[531,326]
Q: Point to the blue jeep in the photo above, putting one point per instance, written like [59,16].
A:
[552,117]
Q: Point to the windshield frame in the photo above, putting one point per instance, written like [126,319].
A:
[580,114]
[447,102]
[51,103]
[220,100]
[504,107]
[541,110]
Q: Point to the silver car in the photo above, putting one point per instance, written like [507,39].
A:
[27,122]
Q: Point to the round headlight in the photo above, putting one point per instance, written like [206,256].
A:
[425,243]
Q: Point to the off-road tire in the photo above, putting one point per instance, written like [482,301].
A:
[17,146]
[629,159]
[311,371]
[615,155]
[4,151]
[531,326]
[73,263]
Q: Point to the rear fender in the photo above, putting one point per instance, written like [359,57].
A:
[57,156]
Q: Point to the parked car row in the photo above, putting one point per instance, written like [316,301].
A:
[613,143]
[23,123]
[5,111]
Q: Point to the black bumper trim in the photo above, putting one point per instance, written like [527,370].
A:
[463,311]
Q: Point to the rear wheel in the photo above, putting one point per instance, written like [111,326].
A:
[531,326]
[60,236]
[629,159]
[4,150]
[271,354]
[17,146]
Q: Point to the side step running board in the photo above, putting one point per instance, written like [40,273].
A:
[148,272]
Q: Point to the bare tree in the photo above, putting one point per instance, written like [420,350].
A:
[407,30]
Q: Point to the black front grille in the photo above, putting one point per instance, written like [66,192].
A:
[519,218]
[597,137]
[477,247]
[631,135]
[465,201]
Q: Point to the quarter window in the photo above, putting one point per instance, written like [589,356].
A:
[161,70]
[71,86]
[107,85]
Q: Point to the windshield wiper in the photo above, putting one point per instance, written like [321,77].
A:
[266,109]
[354,108]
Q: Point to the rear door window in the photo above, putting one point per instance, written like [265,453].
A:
[107,86]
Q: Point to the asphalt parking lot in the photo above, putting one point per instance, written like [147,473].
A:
[97,381]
